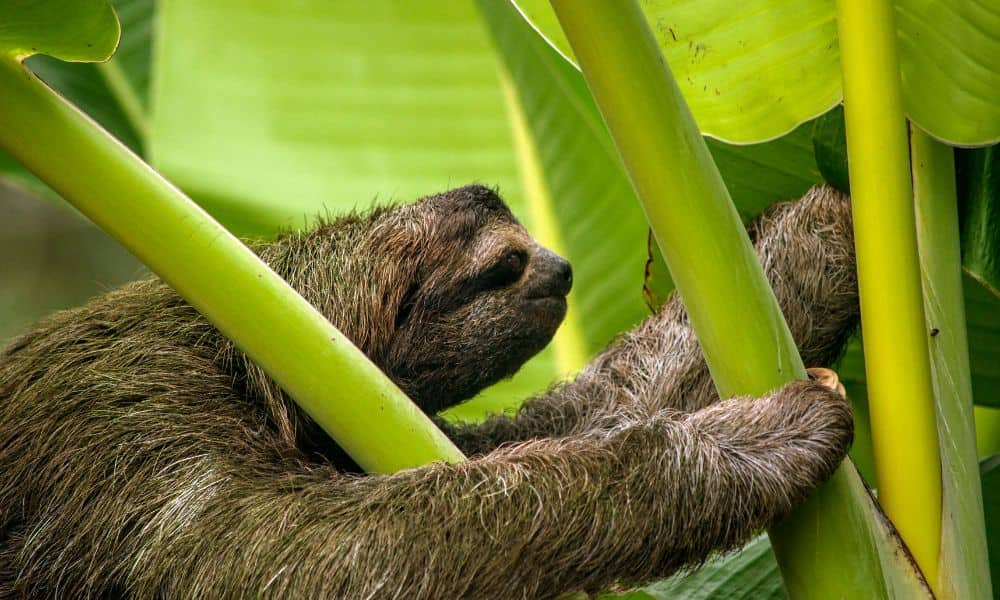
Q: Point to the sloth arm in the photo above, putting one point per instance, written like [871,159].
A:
[807,251]
[629,500]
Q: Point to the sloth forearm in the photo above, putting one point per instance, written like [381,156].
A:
[633,501]
[657,365]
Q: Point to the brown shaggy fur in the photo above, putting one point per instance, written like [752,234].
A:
[142,454]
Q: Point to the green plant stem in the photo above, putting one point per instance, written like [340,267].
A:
[326,374]
[897,363]
[748,345]
[963,567]
[835,546]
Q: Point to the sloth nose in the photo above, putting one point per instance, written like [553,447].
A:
[564,273]
[555,272]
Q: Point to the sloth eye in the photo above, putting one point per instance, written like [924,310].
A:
[514,262]
[505,271]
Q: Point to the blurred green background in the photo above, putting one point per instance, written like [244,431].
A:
[52,258]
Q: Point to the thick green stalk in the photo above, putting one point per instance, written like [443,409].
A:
[964,570]
[748,345]
[835,546]
[897,363]
[326,374]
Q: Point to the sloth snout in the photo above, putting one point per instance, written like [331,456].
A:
[563,276]
[555,274]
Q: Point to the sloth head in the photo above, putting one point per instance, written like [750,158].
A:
[447,295]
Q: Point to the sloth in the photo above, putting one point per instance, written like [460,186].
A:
[143,454]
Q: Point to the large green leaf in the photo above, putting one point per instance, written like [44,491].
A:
[272,114]
[749,574]
[83,85]
[111,92]
[964,570]
[978,173]
[989,470]
[70,30]
[751,71]
[73,30]
[950,64]
[134,54]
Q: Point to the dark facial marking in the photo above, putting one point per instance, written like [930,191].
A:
[504,272]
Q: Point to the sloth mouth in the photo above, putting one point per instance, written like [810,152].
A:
[552,306]
[544,292]
[554,298]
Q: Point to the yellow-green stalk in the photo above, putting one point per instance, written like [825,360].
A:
[673,174]
[964,570]
[897,365]
[835,546]
[323,371]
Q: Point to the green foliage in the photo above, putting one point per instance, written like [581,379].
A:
[750,573]
[830,148]
[84,86]
[72,30]
[342,103]
[982,313]
[948,61]
[717,62]
[978,173]
[989,471]
[717,48]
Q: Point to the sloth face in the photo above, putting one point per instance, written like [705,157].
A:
[483,299]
